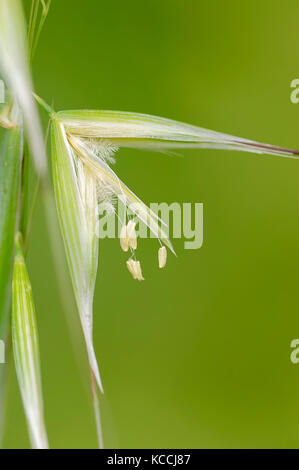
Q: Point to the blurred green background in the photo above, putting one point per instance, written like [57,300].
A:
[198,355]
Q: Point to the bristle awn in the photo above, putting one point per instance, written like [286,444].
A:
[14,66]
[34,29]
[26,350]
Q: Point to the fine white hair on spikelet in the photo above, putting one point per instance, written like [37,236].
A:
[105,193]
[102,148]
[105,150]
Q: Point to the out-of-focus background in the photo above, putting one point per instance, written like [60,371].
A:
[198,355]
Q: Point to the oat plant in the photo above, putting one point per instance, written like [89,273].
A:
[83,148]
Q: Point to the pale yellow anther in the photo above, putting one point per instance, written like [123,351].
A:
[123,238]
[131,234]
[135,269]
[128,237]
[139,272]
[131,265]
[162,256]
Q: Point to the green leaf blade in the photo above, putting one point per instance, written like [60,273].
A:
[11,148]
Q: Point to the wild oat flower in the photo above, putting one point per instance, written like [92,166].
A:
[84,144]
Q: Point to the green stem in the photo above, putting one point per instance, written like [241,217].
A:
[43,104]
[11,151]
